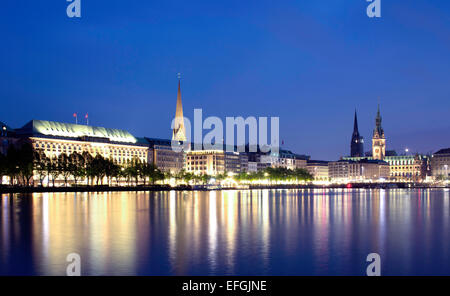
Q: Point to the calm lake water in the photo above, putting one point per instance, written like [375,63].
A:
[260,232]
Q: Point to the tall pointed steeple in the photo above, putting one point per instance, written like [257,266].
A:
[357,143]
[355,124]
[378,139]
[179,133]
[378,131]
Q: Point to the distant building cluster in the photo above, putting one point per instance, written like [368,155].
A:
[57,138]
[391,166]
[120,146]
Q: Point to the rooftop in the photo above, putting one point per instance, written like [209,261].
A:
[443,151]
[68,130]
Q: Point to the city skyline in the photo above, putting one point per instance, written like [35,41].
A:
[224,147]
[234,63]
[367,151]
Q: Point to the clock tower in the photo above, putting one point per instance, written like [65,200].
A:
[378,139]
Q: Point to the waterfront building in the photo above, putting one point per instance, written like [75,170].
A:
[368,170]
[254,162]
[363,170]
[357,142]
[232,162]
[55,138]
[252,166]
[402,168]
[318,169]
[163,156]
[212,162]
[301,161]
[338,171]
[256,166]
[407,168]
[284,159]
[440,164]
[243,159]
[378,139]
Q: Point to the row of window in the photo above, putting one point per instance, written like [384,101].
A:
[116,152]
[405,174]
[404,168]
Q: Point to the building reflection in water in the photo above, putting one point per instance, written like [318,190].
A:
[278,232]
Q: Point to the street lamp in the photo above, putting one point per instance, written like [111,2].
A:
[406,150]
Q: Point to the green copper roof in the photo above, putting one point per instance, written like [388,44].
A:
[59,129]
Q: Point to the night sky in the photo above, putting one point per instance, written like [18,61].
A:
[309,62]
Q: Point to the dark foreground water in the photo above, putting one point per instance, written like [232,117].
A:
[261,232]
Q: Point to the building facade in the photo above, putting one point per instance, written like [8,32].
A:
[212,162]
[284,159]
[56,138]
[363,170]
[440,164]
[243,159]
[368,170]
[163,156]
[407,168]
[403,168]
[318,169]
[338,171]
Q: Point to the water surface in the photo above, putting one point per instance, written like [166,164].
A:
[260,232]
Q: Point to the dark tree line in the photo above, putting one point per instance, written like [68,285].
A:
[276,175]
[20,164]
[189,178]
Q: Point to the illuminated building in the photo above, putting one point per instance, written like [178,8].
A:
[254,162]
[343,171]
[338,171]
[163,156]
[212,162]
[440,163]
[368,170]
[285,159]
[56,138]
[243,159]
[318,169]
[357,142]
[407,168]
[378,139]
[402,168]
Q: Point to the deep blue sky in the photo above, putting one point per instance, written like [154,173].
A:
[309,62]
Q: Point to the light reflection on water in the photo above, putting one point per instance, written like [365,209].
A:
[260,232]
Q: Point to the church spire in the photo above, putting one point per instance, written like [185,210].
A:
[378,139]
[378,129]
[179,133]
[357,143]
[355,124]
